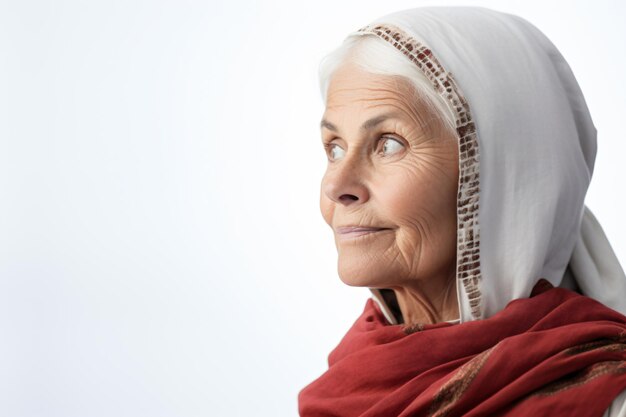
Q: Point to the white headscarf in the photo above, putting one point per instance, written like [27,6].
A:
[527,150]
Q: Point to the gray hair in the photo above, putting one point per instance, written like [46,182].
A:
[378,56]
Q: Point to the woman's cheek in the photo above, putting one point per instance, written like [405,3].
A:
[405,193]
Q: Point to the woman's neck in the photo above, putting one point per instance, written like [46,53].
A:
[422,307]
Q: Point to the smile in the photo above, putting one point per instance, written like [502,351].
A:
[350,232]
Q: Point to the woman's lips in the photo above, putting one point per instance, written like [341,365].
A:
[348,232]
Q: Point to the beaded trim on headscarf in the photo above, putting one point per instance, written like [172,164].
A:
[468,233]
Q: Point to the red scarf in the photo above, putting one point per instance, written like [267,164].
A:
[556,353]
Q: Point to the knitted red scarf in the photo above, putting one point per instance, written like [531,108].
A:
[556,353]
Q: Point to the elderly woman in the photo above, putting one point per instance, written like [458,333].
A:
[460,149]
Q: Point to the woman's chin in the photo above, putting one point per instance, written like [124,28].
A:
[357,276]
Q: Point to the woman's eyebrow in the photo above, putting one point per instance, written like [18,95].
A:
[367,125]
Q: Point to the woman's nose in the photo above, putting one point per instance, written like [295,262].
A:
[344,184]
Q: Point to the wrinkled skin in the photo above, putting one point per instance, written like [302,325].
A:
[398,176]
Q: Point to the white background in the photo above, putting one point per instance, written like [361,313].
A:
[161,247]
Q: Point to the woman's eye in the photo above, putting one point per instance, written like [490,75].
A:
[391,146]
[335,152]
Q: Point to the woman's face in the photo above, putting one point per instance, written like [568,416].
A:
[389,191]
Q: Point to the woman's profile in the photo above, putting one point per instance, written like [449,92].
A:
[460,150]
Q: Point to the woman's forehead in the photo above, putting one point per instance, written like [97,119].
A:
[353,84]
[375,111]
[354,90]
